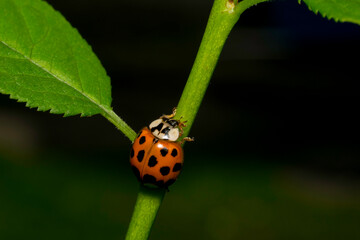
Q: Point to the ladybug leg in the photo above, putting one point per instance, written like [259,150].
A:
[170,115]
[181,125]
[186,139]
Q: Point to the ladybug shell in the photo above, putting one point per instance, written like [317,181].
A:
[155,161]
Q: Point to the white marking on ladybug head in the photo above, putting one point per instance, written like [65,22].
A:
[173,134]
[162,129]
[155,124]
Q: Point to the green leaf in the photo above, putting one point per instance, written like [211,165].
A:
[47,64]
[339,10]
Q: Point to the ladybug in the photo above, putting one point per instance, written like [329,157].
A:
[156,156]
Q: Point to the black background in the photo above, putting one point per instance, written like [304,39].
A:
[284,94]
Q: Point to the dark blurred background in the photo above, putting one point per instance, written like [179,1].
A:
[280,160]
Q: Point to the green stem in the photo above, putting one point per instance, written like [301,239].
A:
[146,207]
[223,16]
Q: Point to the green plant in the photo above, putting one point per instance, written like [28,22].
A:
[45,63]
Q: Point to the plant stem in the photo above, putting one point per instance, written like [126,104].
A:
[221,21]
[146,207]
[223,16]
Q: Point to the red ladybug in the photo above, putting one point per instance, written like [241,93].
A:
[156,155]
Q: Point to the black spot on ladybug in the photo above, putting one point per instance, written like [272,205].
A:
[177,167]
[165,130]
[136,172]
[174,152]
[158,127]
[142,140]
[140,155]
[172,122]
[149,179]
[132,153]
[169,182]
[164,151]
[164,171]
[160,183]
[155,140]
[152,161]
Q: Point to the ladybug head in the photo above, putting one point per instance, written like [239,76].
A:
[165,129]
